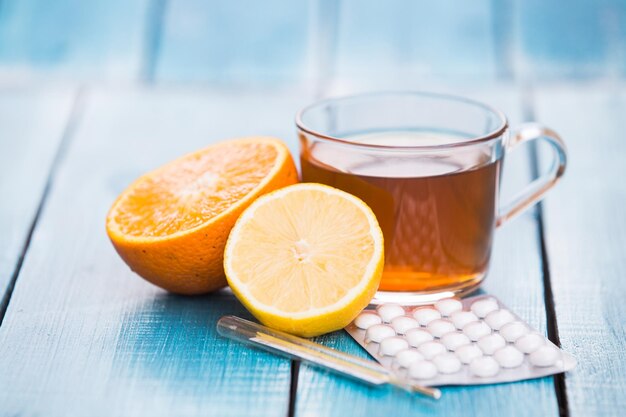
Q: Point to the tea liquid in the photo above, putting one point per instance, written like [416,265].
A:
[437,216]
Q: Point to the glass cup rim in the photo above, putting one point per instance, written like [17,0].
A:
[494,134]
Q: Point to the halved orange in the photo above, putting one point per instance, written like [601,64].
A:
[170,226]
[305,259]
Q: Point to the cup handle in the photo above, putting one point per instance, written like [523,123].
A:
[536,189]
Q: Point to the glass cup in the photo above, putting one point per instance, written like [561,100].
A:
[429,167]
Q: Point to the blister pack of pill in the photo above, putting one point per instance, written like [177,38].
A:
[475,340]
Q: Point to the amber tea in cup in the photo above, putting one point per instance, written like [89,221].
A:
[429,167]
[437,225]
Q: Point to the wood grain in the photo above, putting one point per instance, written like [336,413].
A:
[70,40]
[515,277]
[585,230]
[85,336]
[32,124]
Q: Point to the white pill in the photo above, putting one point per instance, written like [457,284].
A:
[379,332]
[462,318]
[448,306]
[393,345]
[490,343]
[468,353]
[422,370]
[406,357]
[431,349]
[447,363]
[530,342]
[426,315]
[476,330]
[418,336]
[454,340]
[440,327]
[389,312]
[403,323]
[513,331]
[497,319]
[546,355]
[509,357]
[367,320]
[483,307]
[485,366]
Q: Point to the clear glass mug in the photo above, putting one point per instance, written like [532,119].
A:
[429,167]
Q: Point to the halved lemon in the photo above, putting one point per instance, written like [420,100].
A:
[305,259]
[170,226]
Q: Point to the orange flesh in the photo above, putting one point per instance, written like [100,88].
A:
[191,191]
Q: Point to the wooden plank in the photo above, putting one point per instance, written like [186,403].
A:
[85,336]
[585,236]
[515,277]
[72,40]
[32,123]
[235,42]
[577,40]
[407,39]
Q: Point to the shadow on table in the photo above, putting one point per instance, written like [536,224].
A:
[170,343]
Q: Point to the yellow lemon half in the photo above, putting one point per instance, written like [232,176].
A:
[305,259]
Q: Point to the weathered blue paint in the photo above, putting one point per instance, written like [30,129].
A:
[586,242]
[577,39]
[403,38]
[83,335]
[72,40]
[235,42]
[32,122]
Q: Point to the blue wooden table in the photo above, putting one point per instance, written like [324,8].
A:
[92,94]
